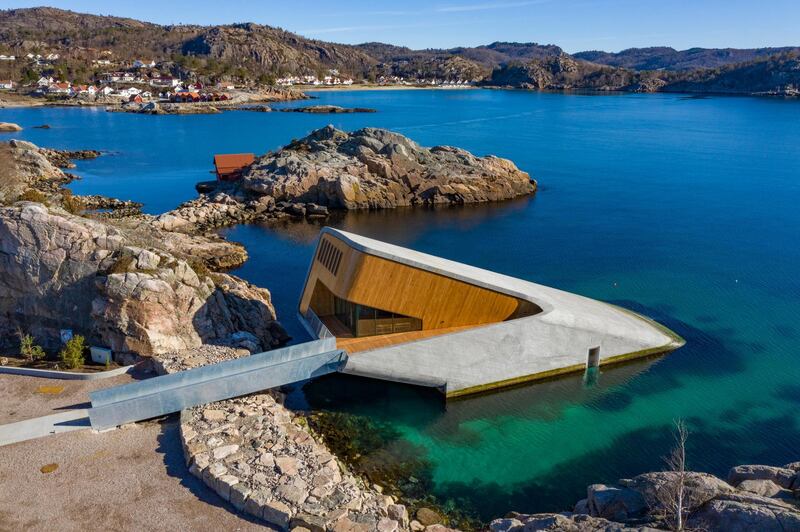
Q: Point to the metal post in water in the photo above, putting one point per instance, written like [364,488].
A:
[592,367]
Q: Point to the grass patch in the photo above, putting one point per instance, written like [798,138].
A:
[71,204]
[33,195]
[199,268]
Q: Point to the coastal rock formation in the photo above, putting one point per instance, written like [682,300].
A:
[153,108]
[377,169]
[8,127]
[756,497]
[327,109]
[26,166]
[63,271]
[264,460]
[64,158]
[561,522]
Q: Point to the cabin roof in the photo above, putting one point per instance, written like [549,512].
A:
[233,160]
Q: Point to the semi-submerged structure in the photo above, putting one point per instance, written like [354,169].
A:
[410,317]
[387,312]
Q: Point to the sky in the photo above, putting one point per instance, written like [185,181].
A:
[575,25]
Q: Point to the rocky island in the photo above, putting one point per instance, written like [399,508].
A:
[367,169]
[327,109]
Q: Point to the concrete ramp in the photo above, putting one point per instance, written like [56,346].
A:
[155,397]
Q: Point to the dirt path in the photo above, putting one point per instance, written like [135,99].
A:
[126,479]
[28,397]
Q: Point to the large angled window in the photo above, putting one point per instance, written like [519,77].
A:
[362,320]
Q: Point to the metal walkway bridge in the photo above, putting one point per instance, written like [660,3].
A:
[233,378]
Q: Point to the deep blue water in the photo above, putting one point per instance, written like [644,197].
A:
[683,208]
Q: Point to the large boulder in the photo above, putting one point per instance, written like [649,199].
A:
[741,512]
[700,488]
[783,477]
[9,127]
[375,168]
[63,271]
[615,502]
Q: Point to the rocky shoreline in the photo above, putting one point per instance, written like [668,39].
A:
[755,497]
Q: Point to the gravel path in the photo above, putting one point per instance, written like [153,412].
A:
[127,479]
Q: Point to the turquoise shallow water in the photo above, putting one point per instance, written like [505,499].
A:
[685,209]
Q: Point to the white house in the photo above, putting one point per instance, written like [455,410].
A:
[143,64]
[130,91]
[165,81]
[105,91]
[7,84]
[7,58]
[84,89]
[60,87]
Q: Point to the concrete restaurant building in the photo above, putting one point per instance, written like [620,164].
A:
[409,317]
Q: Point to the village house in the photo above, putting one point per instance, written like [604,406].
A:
[84,89]
[105,91]
[143,64]
[101,62]
[7,58]
[7,84]
[45,81]
[130,91]
[60,87]
[165,81]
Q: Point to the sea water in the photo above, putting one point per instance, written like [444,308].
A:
[682,208]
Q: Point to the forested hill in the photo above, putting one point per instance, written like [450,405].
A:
[251,52]
[665,58]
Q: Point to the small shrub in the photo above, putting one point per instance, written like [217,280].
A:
[71,204]
[29,349]
[72,356]
[199,268]
[121,265]
[33,195]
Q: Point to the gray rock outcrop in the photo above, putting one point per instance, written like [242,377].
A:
[63,271]
[375,169]
[572,522]
[758,497]
[26,166]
